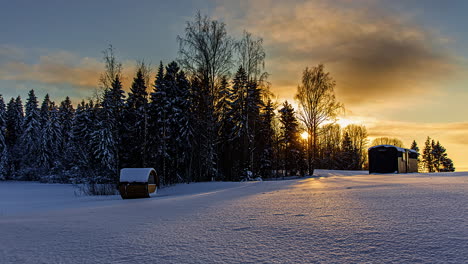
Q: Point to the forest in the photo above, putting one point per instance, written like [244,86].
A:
[207,115]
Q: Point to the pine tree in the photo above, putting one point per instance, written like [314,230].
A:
[414,146]
[82,130]
[30,139]
[266,136]
[14,130]
[162,110]
[427,157]
[439,155]
[204,155]
[44,156]
[107,136]
[292,156]
[349,156]
[134,124]
[447,165]
[66,114]
[435,158]
[225,128]
[184,126]
[45,110]
[154,110]
[253,105]
[105,148]
[51,140]
[3,143]
[240,130]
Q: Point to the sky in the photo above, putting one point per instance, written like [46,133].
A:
[400,66]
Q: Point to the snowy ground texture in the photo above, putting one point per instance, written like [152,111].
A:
[342,217]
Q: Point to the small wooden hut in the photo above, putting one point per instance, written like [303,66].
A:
[138,182]
[392,159]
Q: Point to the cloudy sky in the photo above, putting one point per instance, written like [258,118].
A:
[400,65]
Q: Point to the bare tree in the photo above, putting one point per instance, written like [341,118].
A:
[330,144]
[251,57]
[206,51]
[317,104]
[387,141]
[358,135]
[147,70]
[113,68]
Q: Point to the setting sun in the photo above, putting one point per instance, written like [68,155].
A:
[304,135]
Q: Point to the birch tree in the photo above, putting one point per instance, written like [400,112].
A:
[317,104]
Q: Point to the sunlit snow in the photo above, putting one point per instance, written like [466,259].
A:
[341,217]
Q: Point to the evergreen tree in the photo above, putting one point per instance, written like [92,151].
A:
[427,157]
[266,136]
[154,110]
[253,105]
[51,140]
[162,105]
[225,128]
[30,139]
[414,146]
[358,137]
[349,156]
[107,136]
[184,126]
[134,124]
[240,130]
[204,154]
[447,165]
[81,135]
[14,130]
[66,114]
[439,155]
[292,156]
[3,143]
[172,105]
[45,110]
[44,156]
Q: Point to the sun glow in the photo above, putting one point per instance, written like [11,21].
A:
[304,135]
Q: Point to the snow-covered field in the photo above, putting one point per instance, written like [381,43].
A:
[343,217]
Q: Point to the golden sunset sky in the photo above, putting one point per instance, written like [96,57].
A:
[400,66]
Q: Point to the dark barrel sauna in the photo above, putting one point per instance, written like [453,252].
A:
[138,182]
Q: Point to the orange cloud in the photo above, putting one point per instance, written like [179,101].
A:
[61,68]
[371,54]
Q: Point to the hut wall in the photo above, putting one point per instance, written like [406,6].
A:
[401,165]
[413,165]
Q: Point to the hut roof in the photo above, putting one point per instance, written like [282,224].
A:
[397,148]
[135,174]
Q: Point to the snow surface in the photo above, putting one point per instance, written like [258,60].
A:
[338,217]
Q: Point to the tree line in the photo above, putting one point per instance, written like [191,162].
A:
[193,121]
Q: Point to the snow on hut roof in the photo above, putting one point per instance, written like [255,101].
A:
[397,148]
[135,174]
